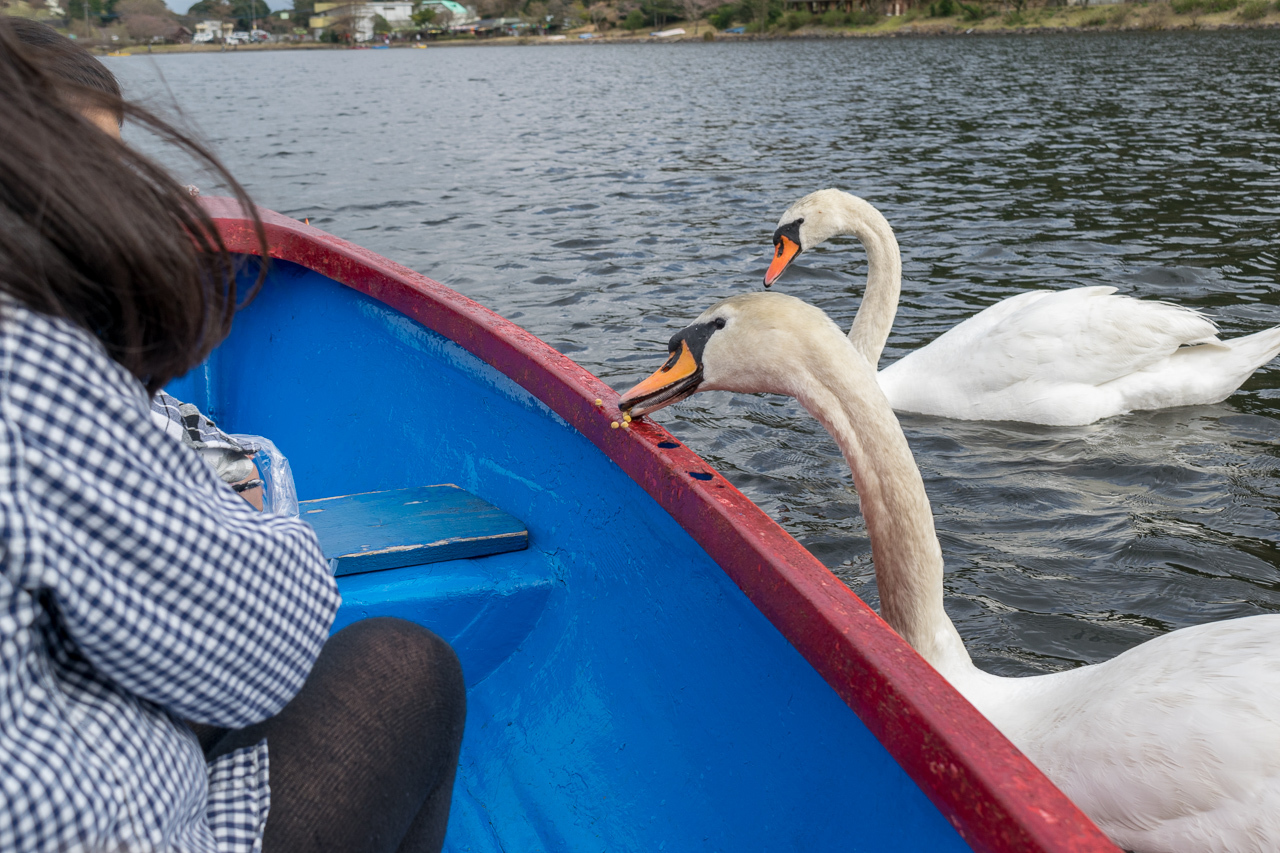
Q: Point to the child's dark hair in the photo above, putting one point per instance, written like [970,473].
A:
[94,232]
[65,60]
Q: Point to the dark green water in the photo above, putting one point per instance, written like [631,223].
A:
[602,196]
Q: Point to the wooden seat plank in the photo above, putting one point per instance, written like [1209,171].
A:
[373,531]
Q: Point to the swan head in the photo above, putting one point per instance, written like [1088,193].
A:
[754,342]
[810,222]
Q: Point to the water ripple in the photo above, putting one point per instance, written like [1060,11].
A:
[604,197]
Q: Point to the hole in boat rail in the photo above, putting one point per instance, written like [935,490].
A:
[668,444]
[700,475]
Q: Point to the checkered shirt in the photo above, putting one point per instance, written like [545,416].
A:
[136,590]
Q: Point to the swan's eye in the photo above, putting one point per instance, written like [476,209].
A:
[790,231]
[719,322]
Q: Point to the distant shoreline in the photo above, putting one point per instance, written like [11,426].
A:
[1111,18]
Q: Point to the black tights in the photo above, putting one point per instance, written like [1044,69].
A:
[364,756]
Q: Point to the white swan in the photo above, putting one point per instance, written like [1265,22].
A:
[1048,357]
[1172,746]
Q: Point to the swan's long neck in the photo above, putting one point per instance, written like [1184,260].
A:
[884,275]
[844,396]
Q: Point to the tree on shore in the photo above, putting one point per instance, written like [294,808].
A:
[761,12]
[302,12]
[566,14]
[243,12]
[603,15]
[535,15]
[500,8]
[694,10]
[423,16]
[218,10]
[345,28]
[147,20]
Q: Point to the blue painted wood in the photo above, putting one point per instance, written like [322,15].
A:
[623,693]
[485,608]
[375,531]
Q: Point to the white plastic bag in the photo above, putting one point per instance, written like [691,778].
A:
[279,497]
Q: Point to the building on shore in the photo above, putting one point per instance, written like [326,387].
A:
[359,17]
[492,27]
[458,16]
[212,31]
[892,8]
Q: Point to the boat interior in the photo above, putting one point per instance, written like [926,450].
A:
[623,692]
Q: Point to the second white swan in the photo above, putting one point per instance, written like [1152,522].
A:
[1049,357]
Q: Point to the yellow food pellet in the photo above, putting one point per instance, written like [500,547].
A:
[599,402]
[626,424]
[614,425]
[626,419]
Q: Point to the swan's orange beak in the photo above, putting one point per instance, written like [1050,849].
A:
[784,252]
[674,381]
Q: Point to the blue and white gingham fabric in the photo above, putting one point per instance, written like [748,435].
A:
[136,590]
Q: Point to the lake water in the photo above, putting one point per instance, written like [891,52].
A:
[602,196]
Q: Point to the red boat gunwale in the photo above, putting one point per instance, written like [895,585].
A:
[990,792]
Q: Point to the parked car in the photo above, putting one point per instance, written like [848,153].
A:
[260,36]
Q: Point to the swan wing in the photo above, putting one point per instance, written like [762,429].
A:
[1198,375]
[1044,356]
[1173,745]
[1092,336]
